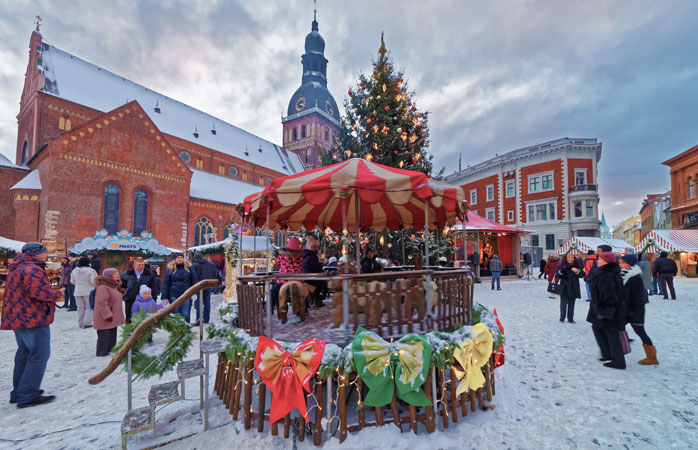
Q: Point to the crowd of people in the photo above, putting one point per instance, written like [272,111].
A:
[103,301]
[617,289]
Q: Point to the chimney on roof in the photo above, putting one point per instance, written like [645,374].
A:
[196,131]
[247,153]
[213,129]
[260,147]
[157,107]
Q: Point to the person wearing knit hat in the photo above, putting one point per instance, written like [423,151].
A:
[28,310]
[635,296]
[607,310]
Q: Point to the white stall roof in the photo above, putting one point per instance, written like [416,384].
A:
[10,244]
[209,186]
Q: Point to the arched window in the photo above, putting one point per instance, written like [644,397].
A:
[203,232]
[303,133]
[295,134]
[111,208]
[140,212]
[68,125]
[228,227]
[61,123]
[25,155]
[691,188]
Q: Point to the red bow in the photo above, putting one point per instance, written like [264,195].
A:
[499,354]
[287,373]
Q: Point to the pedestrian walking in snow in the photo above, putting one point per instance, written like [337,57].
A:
[569,271]
[109,310]
[607,310]
[95,262]
[656,288]
[542,267]
[132,280]
[665,269]
[28,310]
[635,296]
[646,269]
[496,270]
[589,265]
[178,278]
[204,270]
[83,278]
[67,267]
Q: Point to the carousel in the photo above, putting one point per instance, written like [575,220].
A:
[409,348]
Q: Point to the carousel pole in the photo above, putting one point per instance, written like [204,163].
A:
[267,290]
[403,246]
[426,257]
[465,248]
[345,281]
[357,212]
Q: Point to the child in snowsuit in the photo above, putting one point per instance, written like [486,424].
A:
[146,303]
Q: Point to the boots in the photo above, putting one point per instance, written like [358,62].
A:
[651,359]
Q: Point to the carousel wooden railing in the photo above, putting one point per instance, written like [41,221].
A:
[149,321]
[390,303]
[245,397]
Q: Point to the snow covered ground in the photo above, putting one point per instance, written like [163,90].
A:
[551,393]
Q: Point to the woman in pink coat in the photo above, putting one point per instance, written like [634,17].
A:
[109,310]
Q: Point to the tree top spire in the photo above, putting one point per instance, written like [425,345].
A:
[382,50]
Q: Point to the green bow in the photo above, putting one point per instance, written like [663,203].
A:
[383,366]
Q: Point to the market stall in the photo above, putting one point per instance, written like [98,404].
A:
[581,245]
[682,245]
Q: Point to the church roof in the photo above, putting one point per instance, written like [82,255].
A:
[31,181]
[218,188]
[76,80]
[5,162]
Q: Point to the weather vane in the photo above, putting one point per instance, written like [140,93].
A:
[314,9]
[38,23]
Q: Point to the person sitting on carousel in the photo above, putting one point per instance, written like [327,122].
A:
[369,263]
[312,264]
[345,266]
[289,260]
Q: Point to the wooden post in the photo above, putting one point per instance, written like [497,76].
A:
[287,425]
[429,410]
[472,400]
[479,398]
[261,403]
[362,411]
[413,418]
[236,383]
[488,384]
[317,432]
[247,401]
[492,377]
[301,429]
[342,401]
[275,428]
[444,399]
[227,388]
[396,414]
[454,398]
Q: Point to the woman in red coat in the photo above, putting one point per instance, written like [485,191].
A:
[109,311]
[551,268]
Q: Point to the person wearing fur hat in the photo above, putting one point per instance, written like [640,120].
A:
[178,278]
[636,298]
[607,310]
[289,260]
[569,271]
[109,310]
[28,310]
[83,278]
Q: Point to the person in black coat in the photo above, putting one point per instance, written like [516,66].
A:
[635,295]
[369,263]
[178,278]
[312,264]
[607,310]
[95,262]
[204,270]
[666,269]
[569,271]
[542,264]
[133,279]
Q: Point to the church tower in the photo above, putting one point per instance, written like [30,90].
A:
[312,120]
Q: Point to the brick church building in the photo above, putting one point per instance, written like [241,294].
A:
[96,151]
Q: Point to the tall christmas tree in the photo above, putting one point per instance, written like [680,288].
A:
[382,123]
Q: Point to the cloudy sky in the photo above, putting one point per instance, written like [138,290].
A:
[496,75]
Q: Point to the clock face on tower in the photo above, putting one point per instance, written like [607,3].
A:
[329,108]
[300,104]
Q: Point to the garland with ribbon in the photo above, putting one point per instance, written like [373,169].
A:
[181,338]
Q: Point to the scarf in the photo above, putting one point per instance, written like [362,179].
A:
[627,274]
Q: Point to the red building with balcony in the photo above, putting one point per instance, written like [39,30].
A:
[549,189]
[684,192]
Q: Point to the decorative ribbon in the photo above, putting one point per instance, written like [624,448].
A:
[499,354]
[383,366]
[287,373]
[470,356]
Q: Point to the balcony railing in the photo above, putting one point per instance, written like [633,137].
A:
[583,187]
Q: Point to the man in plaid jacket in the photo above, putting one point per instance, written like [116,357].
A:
[28,310]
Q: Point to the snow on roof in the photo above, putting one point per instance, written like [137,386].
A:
[249,243]
[79,81]
[31,181]
[15,246]
[5,162]
[219,188]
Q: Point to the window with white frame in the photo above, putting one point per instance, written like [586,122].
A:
[541,212]
[510,216]
[510,189]
[550,242]
[490,192]
[580,177]
[489,214]
[590,208]
[578,209]
[473,196]
[541,182]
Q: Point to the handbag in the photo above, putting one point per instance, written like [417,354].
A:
[624,343]
[554,288]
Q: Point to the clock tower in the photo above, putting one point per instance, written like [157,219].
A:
[312,121]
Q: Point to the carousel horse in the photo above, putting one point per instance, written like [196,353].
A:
[296,292]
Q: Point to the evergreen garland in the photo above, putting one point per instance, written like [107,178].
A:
[181,338]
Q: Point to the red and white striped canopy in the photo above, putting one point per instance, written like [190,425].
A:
[674,241]
[387,197]
[582,244]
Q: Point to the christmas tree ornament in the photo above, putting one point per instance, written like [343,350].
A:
[385,129]
[387,108]
[409,103]
[287,373]
[384,367]
[375,128]
[349,92]
[399,130]
[363,87]
[378,97]
[401,164]
[384,87]
[368,121]
[395,151]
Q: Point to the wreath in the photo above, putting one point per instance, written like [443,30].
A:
[114,259]
[181,338]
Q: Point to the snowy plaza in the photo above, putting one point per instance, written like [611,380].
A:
[552,392]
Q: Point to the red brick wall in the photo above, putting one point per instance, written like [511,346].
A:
[579,163]
[8,178]
[509,204]
[124,148]
[683,167]
[555,165]
[220,214]
[26,216]
[482,203]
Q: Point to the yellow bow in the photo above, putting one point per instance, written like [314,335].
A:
[378,354]
[470,356]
